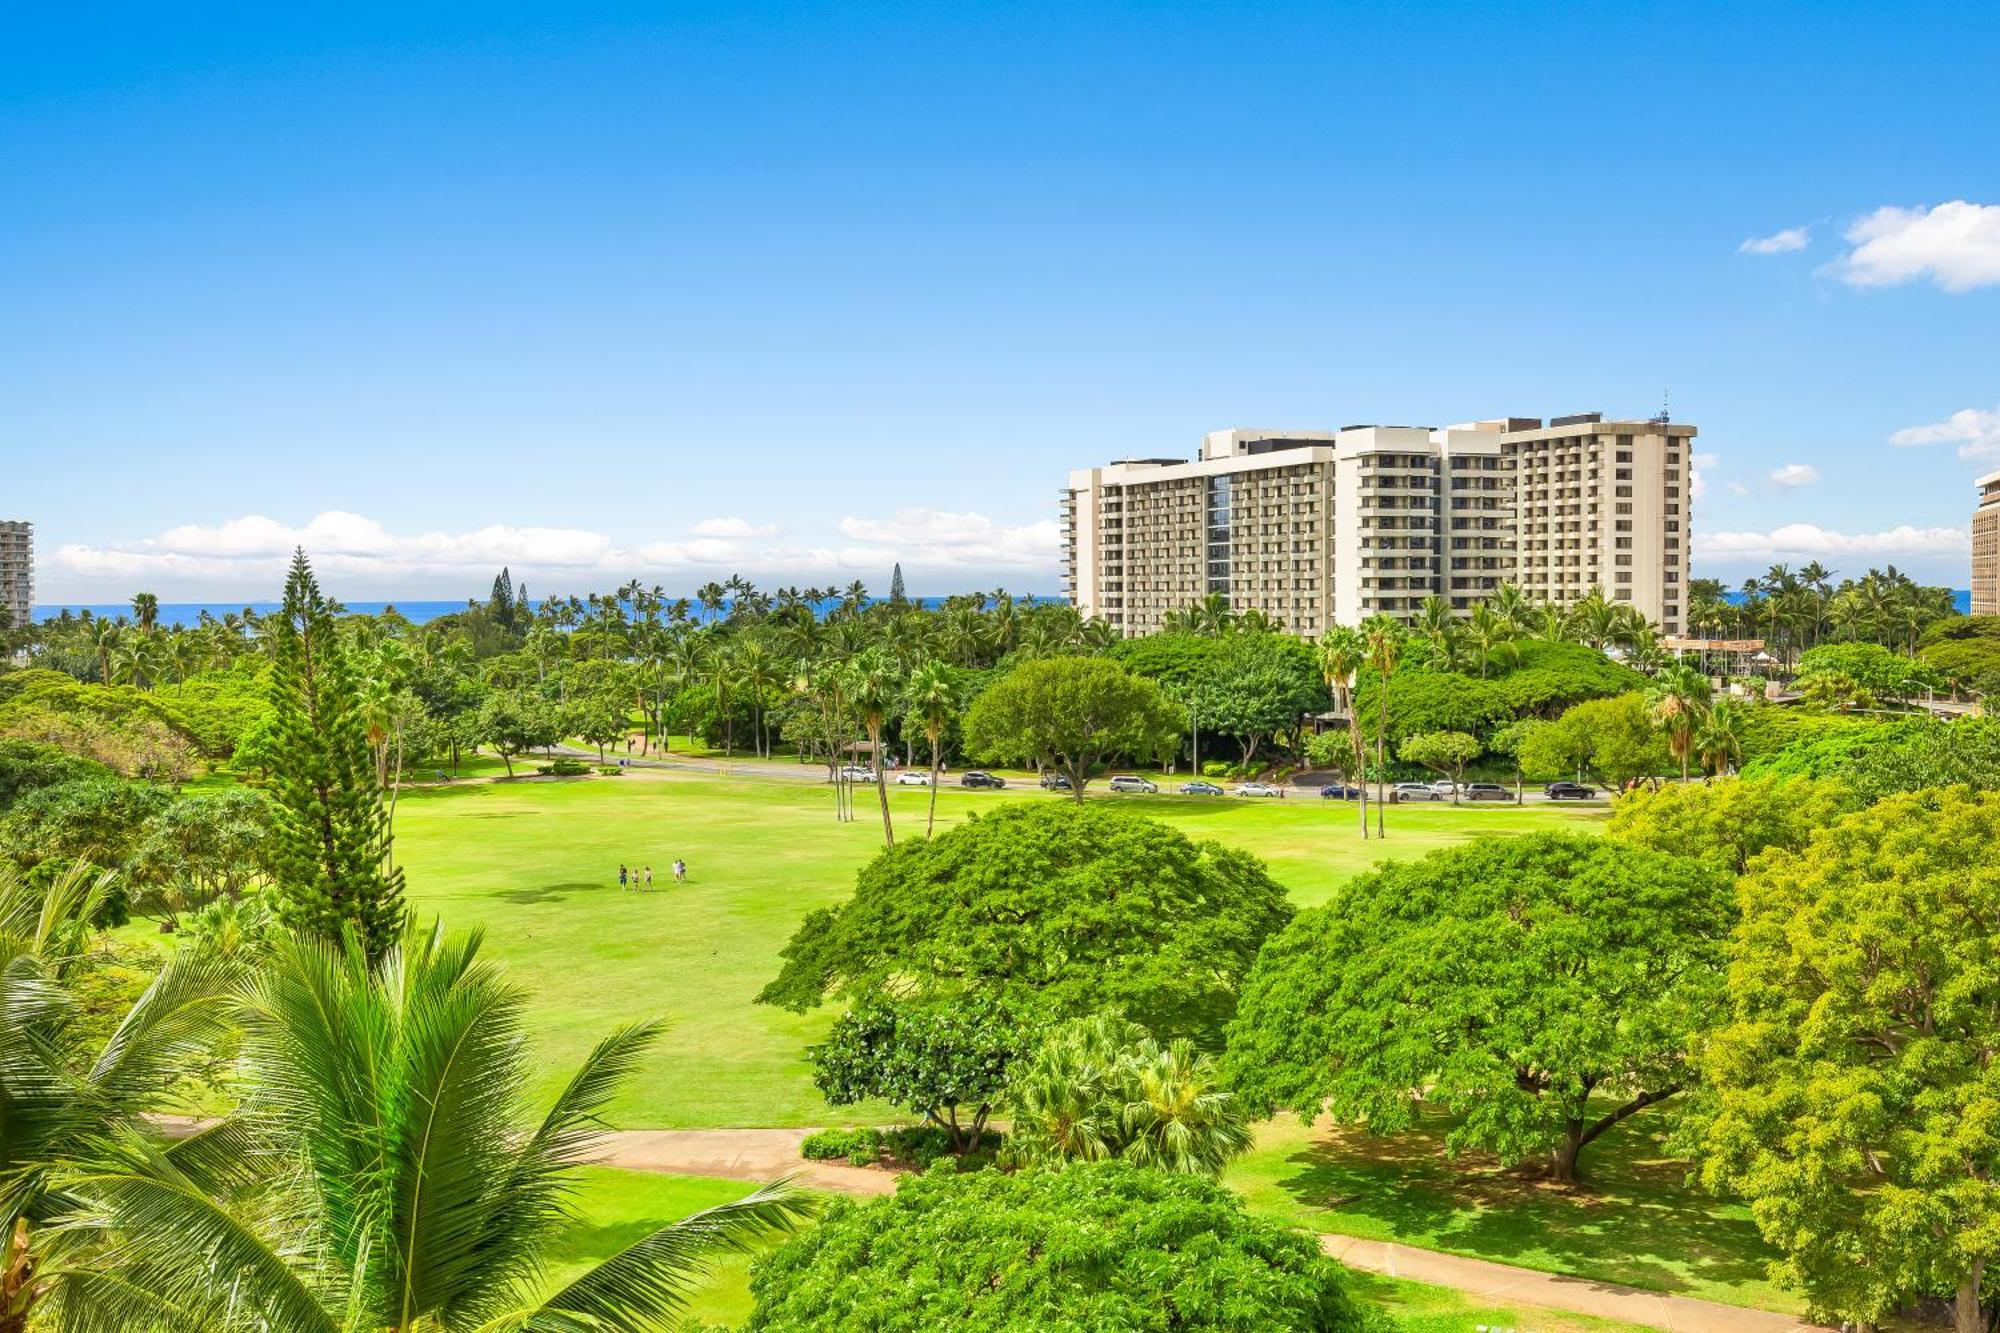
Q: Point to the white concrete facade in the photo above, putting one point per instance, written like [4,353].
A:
[17,570]
[1317,528]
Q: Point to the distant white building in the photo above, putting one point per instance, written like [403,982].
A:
[17,570]
[1318,528]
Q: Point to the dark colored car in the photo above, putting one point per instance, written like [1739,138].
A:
[978,779]
[1486,791]
[1199,788]
[1569,791]
[1339,791]
[1054,782]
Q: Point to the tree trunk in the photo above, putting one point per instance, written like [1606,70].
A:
[930,819]
[1967,1314]
[1562,1158]
[882,786]
[1381,760]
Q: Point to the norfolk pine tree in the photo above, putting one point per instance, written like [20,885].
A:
[331,850]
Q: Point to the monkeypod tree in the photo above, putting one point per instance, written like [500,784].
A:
[1542,988]
[1102,1245]
[1071,714]
[1857,1106]
[1060,909]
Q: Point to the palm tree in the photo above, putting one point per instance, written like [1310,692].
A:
[407,1190]
[1436,625]
[872,688]
[145,611]
[1719,742]
[757,672]
[1680,698]
[1492,634]
[67,1095]
[1342,651]
[934,696]
[1594,620]
[711,595]
[1384,636]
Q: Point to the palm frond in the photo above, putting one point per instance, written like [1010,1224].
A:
[650,1281]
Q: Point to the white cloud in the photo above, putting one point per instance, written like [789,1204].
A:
[733,527]
[1976,433]
[1807,540]
[1738,488]
[1955,245]
[1795,474]
[358,558]
[1778,242]
[1699,466]
[938,538]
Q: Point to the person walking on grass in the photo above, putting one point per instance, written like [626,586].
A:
[649,878]
[622,881]
[680,871]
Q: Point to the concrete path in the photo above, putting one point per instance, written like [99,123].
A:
[1504,1284]
[738,1154]
[766,1154]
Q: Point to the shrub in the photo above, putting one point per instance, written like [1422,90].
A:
[1099,1245]
[609,770]
[565,768]
[827,1144]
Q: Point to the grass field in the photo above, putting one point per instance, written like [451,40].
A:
[536,864]
[1638,1221]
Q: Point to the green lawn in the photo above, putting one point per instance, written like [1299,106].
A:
[619,1207]
[536,864]
[1636,1221]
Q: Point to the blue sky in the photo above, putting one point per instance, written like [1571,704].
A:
[800,290]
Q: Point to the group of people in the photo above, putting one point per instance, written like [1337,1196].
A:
[641,877]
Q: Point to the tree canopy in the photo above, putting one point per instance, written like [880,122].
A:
[1094,1248]
[931,1057]
[1729,821]
[1856,1103]
[1071,713]
[1062,909]
[1511,981]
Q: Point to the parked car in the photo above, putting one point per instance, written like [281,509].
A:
[1200,788]
[1486,791]
[1126,782]
[913,777]
[978,779]
[1256,789]
[1414,791]
[858,773]
[1444,787]
[1054,782]
[1340,791]
[1568,791]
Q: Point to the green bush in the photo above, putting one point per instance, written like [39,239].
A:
[609,770]
[565,768]
[827,1144]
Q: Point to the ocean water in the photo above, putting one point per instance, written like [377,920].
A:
[189,613]
[1960,598]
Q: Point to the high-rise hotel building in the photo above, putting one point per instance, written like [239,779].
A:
[1986,547]
[1318,528]
[17,571]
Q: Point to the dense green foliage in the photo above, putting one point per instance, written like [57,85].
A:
[1071,714]
[1729,821]
[1543,988]
[1857,1106]
[931,1057]
[1101,1087]
[1060,909]
[1610,740]
[1096,1248]
[331,850]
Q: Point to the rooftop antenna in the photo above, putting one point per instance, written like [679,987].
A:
[1664,417]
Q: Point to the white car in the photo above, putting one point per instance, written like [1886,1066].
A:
[857,773]
[1126,782]
[1417,791]
[913,777]
[1256,789]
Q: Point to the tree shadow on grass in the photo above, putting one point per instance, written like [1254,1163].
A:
[548,893]
[1636,1220]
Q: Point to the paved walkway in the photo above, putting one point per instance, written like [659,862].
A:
[766,1154]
